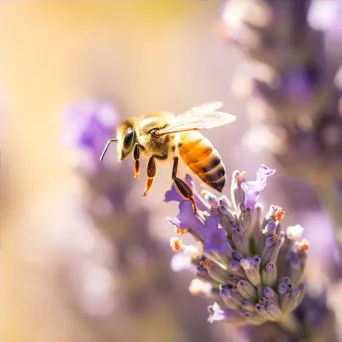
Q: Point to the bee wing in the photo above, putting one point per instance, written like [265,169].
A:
[202,109]
[198,118]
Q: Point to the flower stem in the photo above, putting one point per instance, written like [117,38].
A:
[290,323]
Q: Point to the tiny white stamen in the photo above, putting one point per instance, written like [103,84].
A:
[193,252]
[294,232]
[199,286]
[216,314]
[180,262]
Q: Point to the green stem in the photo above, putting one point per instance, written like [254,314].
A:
[289,323]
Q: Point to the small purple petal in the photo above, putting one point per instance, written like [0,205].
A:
[186,218]
[216,241]
[215,238]
[190,181]
[253,189]
[175,221]
[251,193]
[264,172]
[211,224]
[173,195]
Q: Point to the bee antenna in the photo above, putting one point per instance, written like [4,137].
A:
[106,147]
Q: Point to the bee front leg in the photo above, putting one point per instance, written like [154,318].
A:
[151,172]
[136,156]
[183,188]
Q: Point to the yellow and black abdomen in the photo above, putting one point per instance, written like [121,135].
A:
[200,156]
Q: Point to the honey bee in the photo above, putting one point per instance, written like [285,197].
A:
[163,136]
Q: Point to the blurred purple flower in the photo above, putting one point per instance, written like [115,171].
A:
[89,125]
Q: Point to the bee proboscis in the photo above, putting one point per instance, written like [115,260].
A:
[163,135]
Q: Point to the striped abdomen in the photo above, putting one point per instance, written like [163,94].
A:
[201,157]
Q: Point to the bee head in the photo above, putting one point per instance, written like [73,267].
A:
[126,137]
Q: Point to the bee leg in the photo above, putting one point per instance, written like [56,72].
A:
[136,156]
[151,172]
[183,188]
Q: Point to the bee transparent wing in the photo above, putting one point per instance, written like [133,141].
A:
[198,118]
[201,109]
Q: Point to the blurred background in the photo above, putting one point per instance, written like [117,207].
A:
[84,256]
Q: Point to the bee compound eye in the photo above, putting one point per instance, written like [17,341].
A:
[128,139]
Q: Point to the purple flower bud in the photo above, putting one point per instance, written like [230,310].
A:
[269,274]
[248,305]
[269,293]
[236,255]
[246,290]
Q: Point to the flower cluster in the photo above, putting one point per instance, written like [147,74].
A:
[243,259]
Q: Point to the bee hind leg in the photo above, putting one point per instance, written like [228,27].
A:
[151,173]
[183,188]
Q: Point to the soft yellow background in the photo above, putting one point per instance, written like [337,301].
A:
[145,55]
[142,55]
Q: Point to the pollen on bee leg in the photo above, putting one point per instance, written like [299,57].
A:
[148,185]
[176,244]
[137,169]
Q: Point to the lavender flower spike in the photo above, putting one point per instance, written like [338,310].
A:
[253,189]
[252,267]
